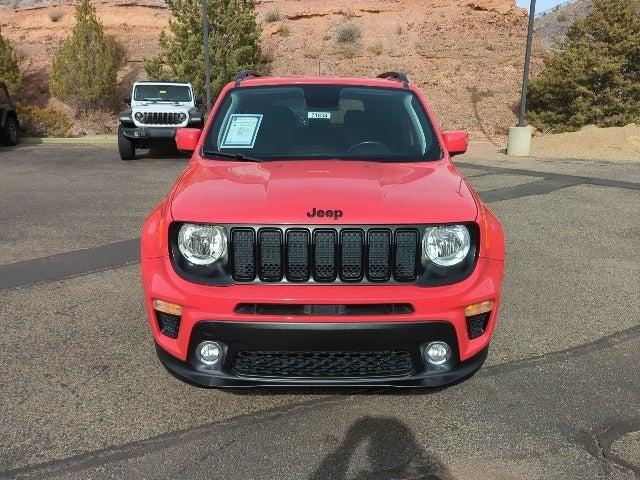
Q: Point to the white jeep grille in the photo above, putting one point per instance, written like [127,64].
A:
[160,118]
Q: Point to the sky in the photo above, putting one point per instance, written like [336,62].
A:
[541,5]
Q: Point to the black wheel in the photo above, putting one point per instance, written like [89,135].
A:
[126,147]
[11,133]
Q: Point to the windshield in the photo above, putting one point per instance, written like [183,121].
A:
[323,122]
[162,93]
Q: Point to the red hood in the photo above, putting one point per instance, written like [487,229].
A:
[283,193]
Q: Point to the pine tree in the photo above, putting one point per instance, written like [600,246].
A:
[9,65]
[593,76]
[85,66]
[234,38]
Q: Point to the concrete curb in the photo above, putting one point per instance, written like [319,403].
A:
[69,141]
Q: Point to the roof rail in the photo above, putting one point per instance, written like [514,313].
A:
[244,74]
[397,76]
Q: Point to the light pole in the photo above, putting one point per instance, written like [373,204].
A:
[519,141]
[207,59]
[527,62]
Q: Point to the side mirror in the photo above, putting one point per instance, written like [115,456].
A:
[127,99]
[456,141]
[187,139]
[198,101]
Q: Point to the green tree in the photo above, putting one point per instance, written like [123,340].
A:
[9,65]
[85,66]
[593,75]
[234,41]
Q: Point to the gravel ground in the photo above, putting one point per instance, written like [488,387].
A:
[618,144]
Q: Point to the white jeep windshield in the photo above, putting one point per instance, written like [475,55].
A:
[323,122]
[162,93]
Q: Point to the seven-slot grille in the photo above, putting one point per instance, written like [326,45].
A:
[324,255]
[160,118]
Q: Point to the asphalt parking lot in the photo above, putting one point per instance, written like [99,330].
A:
[82,394]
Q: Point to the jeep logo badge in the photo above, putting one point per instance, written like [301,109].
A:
[335,214]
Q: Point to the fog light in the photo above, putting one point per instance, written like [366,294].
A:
[209,353]
[437,353]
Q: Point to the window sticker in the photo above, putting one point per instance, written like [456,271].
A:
[241,131]
[324,115]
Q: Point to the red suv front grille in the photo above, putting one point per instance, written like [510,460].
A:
[324,255]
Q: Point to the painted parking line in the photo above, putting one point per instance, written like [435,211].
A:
[603,182]
[69,264]
[114,255]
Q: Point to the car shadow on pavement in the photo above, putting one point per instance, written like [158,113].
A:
[392,452]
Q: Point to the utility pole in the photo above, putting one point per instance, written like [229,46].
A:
[207,59]
[519,140]
[527,61]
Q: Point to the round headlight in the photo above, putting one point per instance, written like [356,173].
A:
[201,244]
[182,117]
[446,245]
[139,116]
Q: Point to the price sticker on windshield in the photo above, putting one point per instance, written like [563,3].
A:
[241,131]
[323,115]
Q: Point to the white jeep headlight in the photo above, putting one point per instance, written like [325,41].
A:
[138,116]
[202,244]
[182,117]
[446,245]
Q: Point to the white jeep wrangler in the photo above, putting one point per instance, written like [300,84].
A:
[157,110]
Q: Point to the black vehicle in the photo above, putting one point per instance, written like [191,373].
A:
[9,126]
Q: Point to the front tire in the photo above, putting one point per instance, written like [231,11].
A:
[10,134]
[126,147]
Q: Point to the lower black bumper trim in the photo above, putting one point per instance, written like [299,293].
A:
[184,371]
[146,133]
[251,336]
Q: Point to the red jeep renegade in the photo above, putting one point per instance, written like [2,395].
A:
[320,235]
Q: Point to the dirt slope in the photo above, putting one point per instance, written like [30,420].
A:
[618,144]
[554,22]
[466,54]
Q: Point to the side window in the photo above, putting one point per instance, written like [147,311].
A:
[4,97]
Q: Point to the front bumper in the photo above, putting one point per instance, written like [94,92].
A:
[318,339]
[147,133]
[208,312]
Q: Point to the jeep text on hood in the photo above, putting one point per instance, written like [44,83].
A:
[367,193]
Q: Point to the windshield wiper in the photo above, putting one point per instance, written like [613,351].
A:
[237,156]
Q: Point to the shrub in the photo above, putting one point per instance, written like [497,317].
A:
[348,33]
[283,29]
[55,14]
[562,17]
[349,50]
[10,60]
[85,66]
[234,41]
[96,122]
[376,48]
[272,15]
[593,77]
[43,121]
